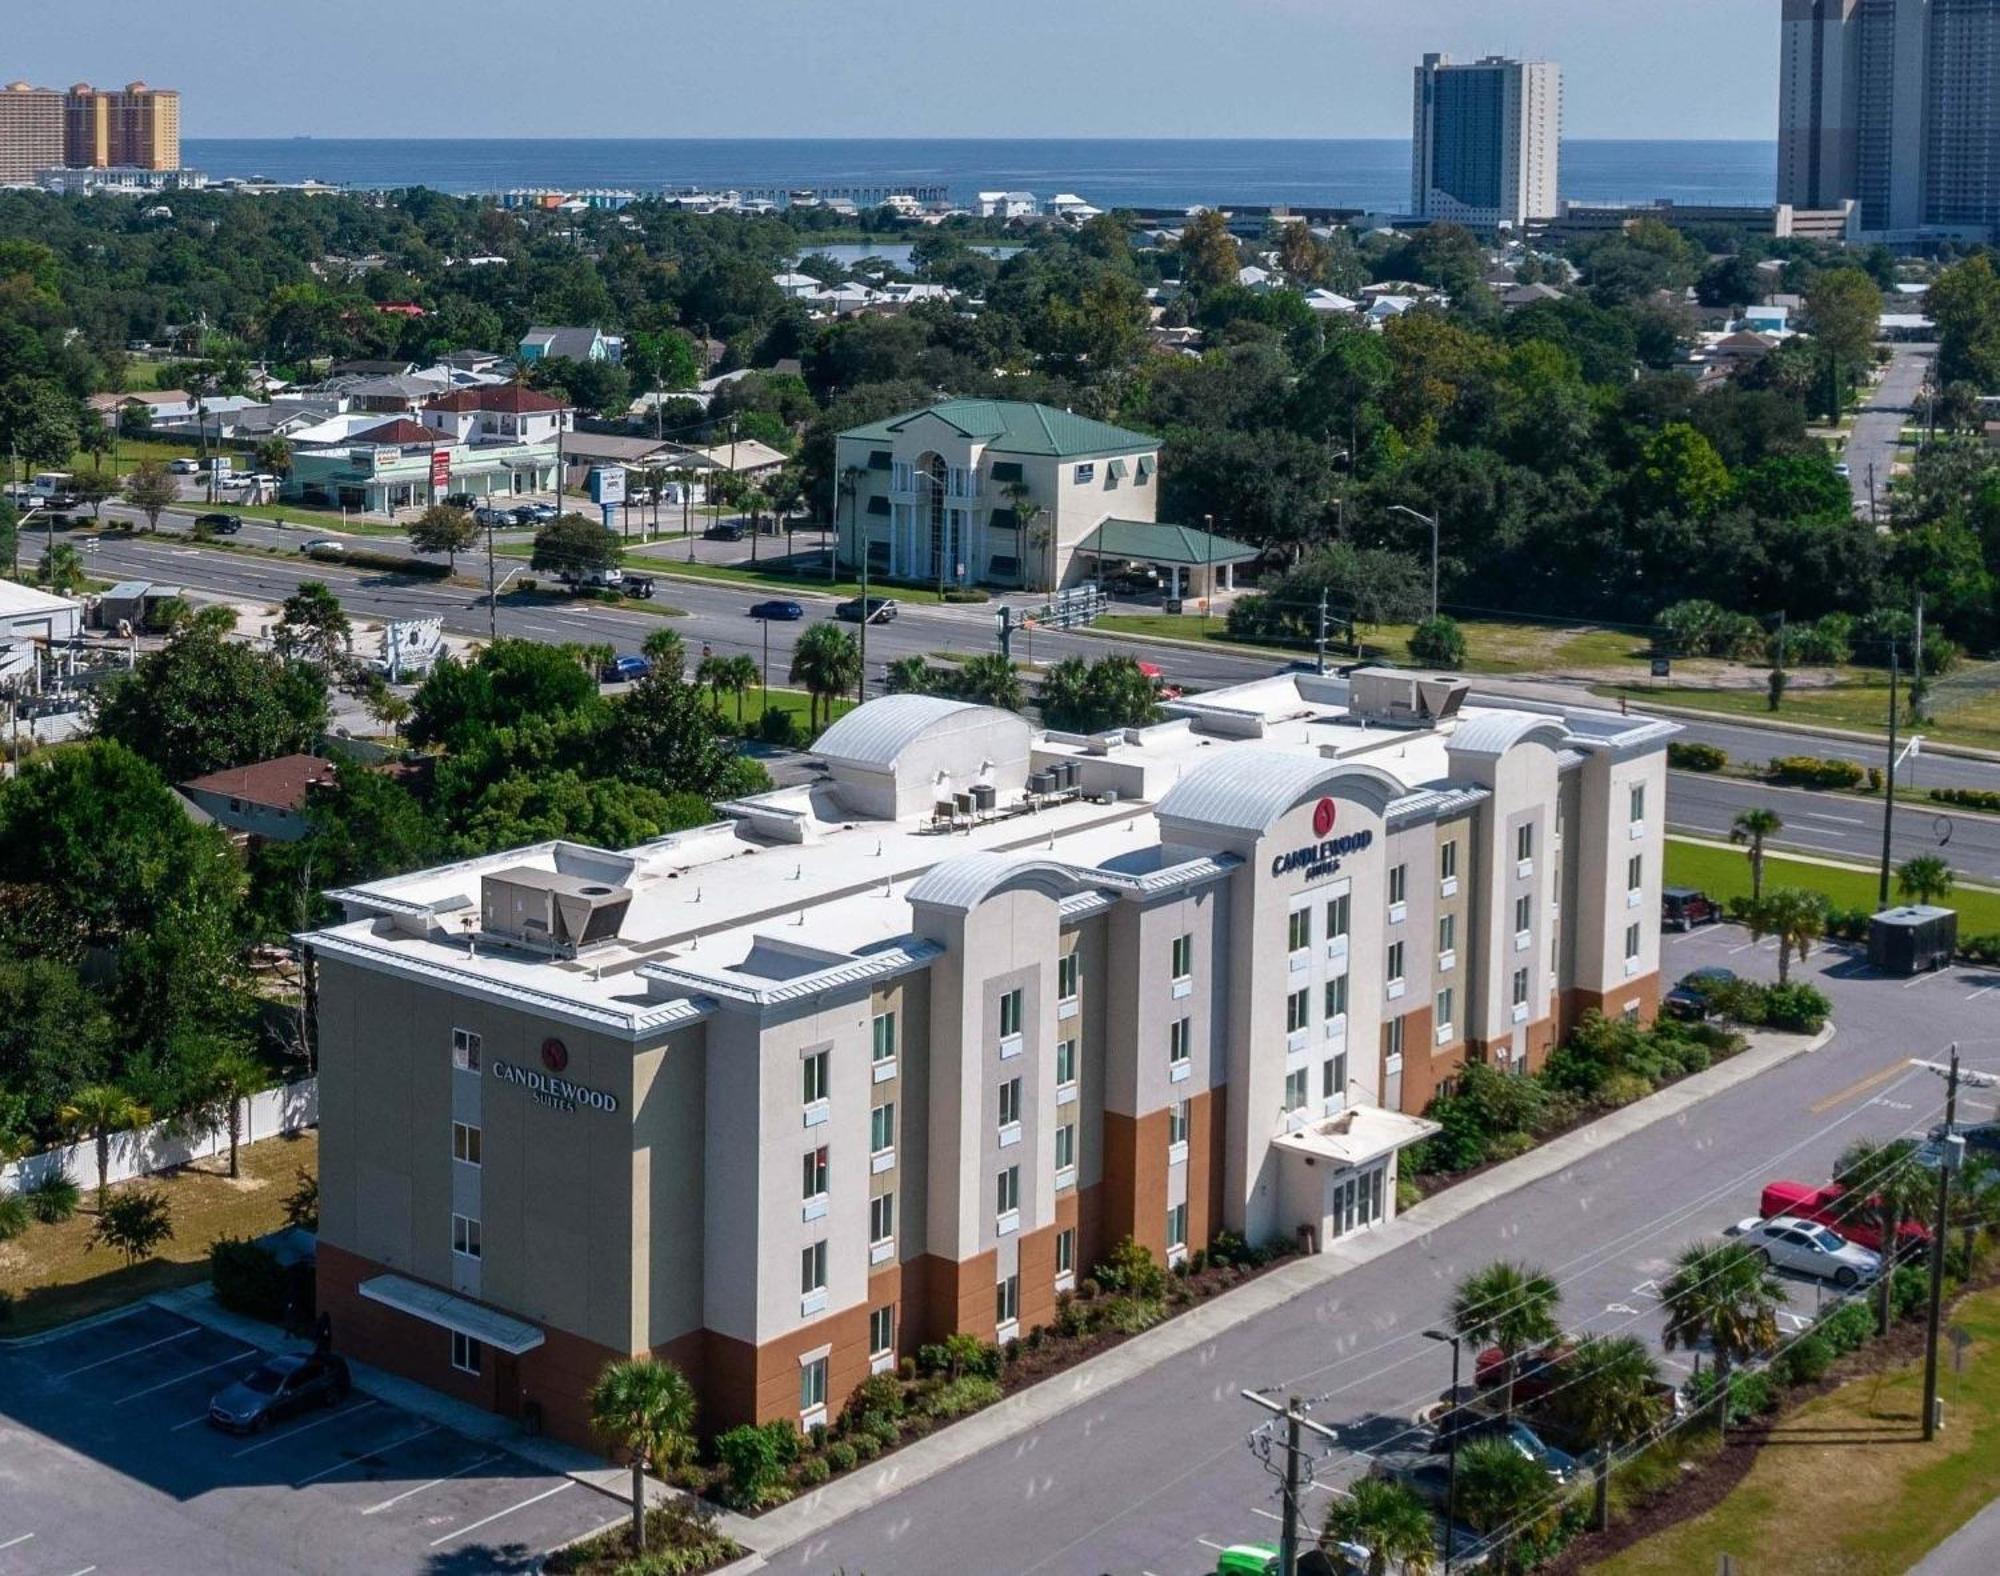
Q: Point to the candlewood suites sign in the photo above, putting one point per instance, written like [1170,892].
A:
[546,1086]
[1321,859]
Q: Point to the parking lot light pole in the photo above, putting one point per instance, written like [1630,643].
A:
[1451,1453]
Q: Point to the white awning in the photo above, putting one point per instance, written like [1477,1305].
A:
[484,1325]
[1358,1136]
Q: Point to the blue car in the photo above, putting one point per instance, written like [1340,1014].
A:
[625,670]
[788,612]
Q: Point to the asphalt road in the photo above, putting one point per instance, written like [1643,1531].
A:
[1153,1475]
[1879,424]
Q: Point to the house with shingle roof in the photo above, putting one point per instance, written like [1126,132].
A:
[545,343]
[1010,493]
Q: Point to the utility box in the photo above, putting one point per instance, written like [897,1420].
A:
[1912,939]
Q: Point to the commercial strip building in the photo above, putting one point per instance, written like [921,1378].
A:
[906,1050]
[1008,493]
[135,127]
[1486,143]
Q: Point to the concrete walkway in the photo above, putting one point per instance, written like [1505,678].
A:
[1030,1408]
[1970,1551]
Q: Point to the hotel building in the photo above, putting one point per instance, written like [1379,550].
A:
[907,1049]
[1486,145]
[133,128]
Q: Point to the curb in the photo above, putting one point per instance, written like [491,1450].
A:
[813,1513]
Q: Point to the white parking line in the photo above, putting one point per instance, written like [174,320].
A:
[178,1335]
[470,1466]
[1988,991]
[278,1439]
[84,1572]
[1220,1548]
[533,1499]
[379,1450]
[203,1418]
[13,1542]
[1920,979]
[1258,1510]
[166,1383]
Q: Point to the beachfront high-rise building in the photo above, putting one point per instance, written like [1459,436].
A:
[1896,104]
[1487,140]
[31,132]
[133,127]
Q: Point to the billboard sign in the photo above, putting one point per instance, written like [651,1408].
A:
[440,469]
[607,485]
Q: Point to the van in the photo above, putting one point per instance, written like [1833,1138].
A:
[51,486]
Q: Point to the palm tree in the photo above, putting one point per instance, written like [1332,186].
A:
[990,679]
[1388,1520]
[740,674]
[909,675]
[1722,1293]
[274,454]
[100,1110]
[1610,1390]
[1753,827]
[1511,1306]
[1027,520]
[1889,1187]
[1925,879]
[62,568]
[665,649]
[648,1407]
[755,502]
[1499,1487]
[1796,917]
[712,674]
[225,1083]
[826,663]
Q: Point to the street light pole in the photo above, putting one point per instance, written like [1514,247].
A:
[1430,520]
[1889,783]
[1451,1453]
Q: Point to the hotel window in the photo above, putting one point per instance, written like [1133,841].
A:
[1007,1191]
[1183,957]
[465,1353]
[465,1236]
[1336,917]
[1068,970]
[1524,840]
[1631,941]
[1447,932]
[1295,1089]
[1442,1019]
[1010,1014]
[1298,1011]
[1336,997]
[1177,1122]
[882,1217]
[1395,969]
[465,1143]
[812,1268]
[882,1128]
[1177,1226]
[1638,802]
[1524,913]
[812,1385]
[1066,1252]
[1399,883]
[1520,987]
[1333,1076]
[1007,1300]
[814,1183]
[1448,861]
[1065,1063]
[1635,872]
[1180,1041]
[1085,475]
[1392,1037]
[1010,1102]
[1066,1146]
[881,1330]
[1300,935]
[885,1037]
[465,1050]
[816,1078]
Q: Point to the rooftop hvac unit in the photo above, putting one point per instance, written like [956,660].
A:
[545,908]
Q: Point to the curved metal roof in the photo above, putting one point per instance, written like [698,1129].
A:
[875,734]
[1245,790]
[1493,733]
[967,881]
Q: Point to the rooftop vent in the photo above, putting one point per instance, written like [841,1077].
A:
[1389,695]
[544,908]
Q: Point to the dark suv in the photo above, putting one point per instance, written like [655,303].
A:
[1683,908]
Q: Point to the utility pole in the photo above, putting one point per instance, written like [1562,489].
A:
[492,591]
[1917,666]
[861,552]
[1874,518]
[1319,639]
[1889,783]
[1294,1414]
[1451,1448]
[1951,1161]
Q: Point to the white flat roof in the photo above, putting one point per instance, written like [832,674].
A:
[1358,1136]
[17,600]
[438,1307]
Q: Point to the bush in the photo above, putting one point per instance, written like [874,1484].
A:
[1461,1142]
[1228,1248]
[1846,1328]
[13,1215]
[1810,771]
[879,1395]
[1969,798]
[1980,949]
[1128,1315]
[1751,1394]
[53,1199]
[755,1458]
[965,594]
[1131,1269]
[134,1223]
[867,1447]
[248,1279]
[1909,1292]
[1806,1360]
[958,1355]
[1697,757]
[815,1470]
[882,1429]
[1505,1146]
[1438,642]
[1071,1320]
[1623,1088]
[1847,924]
[302,1203]
[778,726]
[1800,1008]
[958,1396]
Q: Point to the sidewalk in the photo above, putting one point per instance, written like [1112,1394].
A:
[1027,1409]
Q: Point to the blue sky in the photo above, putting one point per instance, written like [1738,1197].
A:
[903,68]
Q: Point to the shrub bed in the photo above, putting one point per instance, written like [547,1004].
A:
[1696,757]
[1968,798]
[681,1540]
[1810,771]
[248,1279]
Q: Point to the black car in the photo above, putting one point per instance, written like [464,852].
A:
[461,500]
[785,612]
[277,1388]
[881,610]
[640,586]
[1981,1138]
[1683,908]
[220,524]
[1693,999]
[725,531]
[526,514]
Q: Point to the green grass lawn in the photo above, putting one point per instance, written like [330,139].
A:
[1492,645]
[1964,711]
[797,702]
[1878,1495]
[744,574]
[1724,873]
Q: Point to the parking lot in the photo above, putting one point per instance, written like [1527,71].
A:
[108,1465]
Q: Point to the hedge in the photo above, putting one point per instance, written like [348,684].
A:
[1699,757]
[1968,798]
[248,1279]
[1810,771]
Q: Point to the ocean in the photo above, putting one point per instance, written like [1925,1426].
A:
[1371,173]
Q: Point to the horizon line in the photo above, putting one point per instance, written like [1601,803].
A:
[919,137]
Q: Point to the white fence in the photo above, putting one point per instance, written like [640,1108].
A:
[164,1145]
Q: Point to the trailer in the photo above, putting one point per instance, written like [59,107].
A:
[1913,939]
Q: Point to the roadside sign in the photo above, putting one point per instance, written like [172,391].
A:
[440,469]
[607,485]
[1663,667]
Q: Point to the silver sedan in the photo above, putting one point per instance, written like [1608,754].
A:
[1807,1248]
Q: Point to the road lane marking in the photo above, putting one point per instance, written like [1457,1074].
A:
[276,1439]
[178,1335]
[1843,820]
[16,1542]
[196,1373]
[379,1450]
[470,1466]
[1858,1088]
[533,1499]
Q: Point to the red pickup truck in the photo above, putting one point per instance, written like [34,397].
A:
[1830,1206]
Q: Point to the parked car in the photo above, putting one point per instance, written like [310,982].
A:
[497,519]
[786,612]
[1693,998]
[1981,1138]
[323,547]
[277,1388]
[881,610]
[1683,908]
[1830,1206]
[1809,1248]
[1559,1464]
[525,514]
[625,670]
[541,512]
[725,531]
[461,500]
[184,466]
[640,586]
[221,524]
